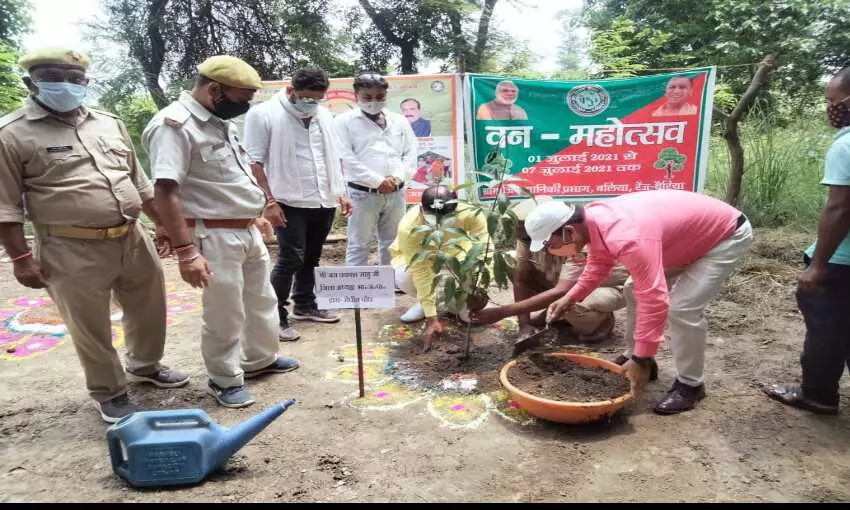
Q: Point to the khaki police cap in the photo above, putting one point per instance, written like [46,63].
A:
[54,56]
[230,71]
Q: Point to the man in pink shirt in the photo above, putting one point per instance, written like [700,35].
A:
[679,248]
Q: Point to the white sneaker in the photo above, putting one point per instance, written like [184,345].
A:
[287,334]
[413,314]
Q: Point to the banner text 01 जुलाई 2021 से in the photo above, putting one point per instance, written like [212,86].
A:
[432,104]
[584,140]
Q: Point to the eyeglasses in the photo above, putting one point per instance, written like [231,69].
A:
[370,76]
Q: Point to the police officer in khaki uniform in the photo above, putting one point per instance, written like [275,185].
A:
[75,173]
[211,205]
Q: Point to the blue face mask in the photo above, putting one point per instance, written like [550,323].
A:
[61,96]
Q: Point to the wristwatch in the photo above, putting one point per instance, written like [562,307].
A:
[643,362]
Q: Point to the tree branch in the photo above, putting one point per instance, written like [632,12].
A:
[380,23]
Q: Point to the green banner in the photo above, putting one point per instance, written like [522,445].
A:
[594,139]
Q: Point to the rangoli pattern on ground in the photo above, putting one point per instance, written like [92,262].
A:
[32,326]
[456,404]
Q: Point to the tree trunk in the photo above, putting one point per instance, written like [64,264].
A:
[474,64]
[152,60]
[730,128]
[408,58]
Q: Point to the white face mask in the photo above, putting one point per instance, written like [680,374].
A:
[306,107]
[372,107]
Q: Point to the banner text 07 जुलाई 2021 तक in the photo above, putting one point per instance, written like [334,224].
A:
[594,139]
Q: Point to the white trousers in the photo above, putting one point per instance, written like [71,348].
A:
[240,316]
[371,213]
[691,289]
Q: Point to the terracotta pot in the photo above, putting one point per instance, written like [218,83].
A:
[562,411]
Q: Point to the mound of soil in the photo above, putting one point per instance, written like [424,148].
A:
[489,352]
[561,379]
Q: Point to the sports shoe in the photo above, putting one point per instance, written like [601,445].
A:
[233,397]
[164,377]
[280,366]
[315,315]
[413,314]
[116,408]
[288,334]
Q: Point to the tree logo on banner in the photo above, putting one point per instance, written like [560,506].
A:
[670,161]
[588,100]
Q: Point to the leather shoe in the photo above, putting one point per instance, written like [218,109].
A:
[653,367]
[680,398]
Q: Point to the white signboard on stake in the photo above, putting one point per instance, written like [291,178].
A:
[355,287]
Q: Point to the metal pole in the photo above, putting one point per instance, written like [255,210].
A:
[359,350]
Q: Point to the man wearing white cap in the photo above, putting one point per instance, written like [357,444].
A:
[686,241]
[541,278]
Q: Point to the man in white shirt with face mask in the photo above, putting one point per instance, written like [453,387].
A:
[378,150]
[292,145]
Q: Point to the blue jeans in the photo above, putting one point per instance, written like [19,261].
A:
[373,212]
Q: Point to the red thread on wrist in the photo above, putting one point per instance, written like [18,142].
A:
[22,257]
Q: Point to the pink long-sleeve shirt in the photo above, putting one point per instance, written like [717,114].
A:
[649,232]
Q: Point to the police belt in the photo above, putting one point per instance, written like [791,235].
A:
[88,233]
[239,224]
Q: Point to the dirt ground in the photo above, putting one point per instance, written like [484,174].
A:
[406,443]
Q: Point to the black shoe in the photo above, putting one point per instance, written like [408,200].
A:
[792,395]
[116,408]
[680,398]
[653,367]
[315,315]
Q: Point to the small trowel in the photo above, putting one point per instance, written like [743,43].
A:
[530,341]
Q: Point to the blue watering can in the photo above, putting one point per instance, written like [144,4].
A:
[178,447]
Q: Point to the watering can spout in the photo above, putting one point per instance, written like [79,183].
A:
[240,435]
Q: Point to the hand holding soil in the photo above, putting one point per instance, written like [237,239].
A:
[432,332]
[637,375]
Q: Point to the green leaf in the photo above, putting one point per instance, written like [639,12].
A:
[484,279]
[439,262]
[473,255]
[500,271]
[450,292]
[416,258]
[457,231]
[492,224]
[422,228]
[454,264]
[660,165]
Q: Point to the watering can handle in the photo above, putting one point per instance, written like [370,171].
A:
[174,422]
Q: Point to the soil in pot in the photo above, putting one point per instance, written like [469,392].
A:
[562,379]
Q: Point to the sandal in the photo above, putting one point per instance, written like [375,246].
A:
[792,395]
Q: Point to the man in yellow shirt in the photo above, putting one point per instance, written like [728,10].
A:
[437,202]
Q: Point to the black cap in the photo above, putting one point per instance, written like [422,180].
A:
[439,200]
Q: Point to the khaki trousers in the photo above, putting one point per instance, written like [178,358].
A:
[81,275]
[691,290]
[240,318]
[585,317]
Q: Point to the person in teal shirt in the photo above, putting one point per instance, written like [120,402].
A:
[823,292]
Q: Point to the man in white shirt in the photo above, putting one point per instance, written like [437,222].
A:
[378,149]
[292,144]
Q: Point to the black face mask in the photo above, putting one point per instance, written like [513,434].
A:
[227,109]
